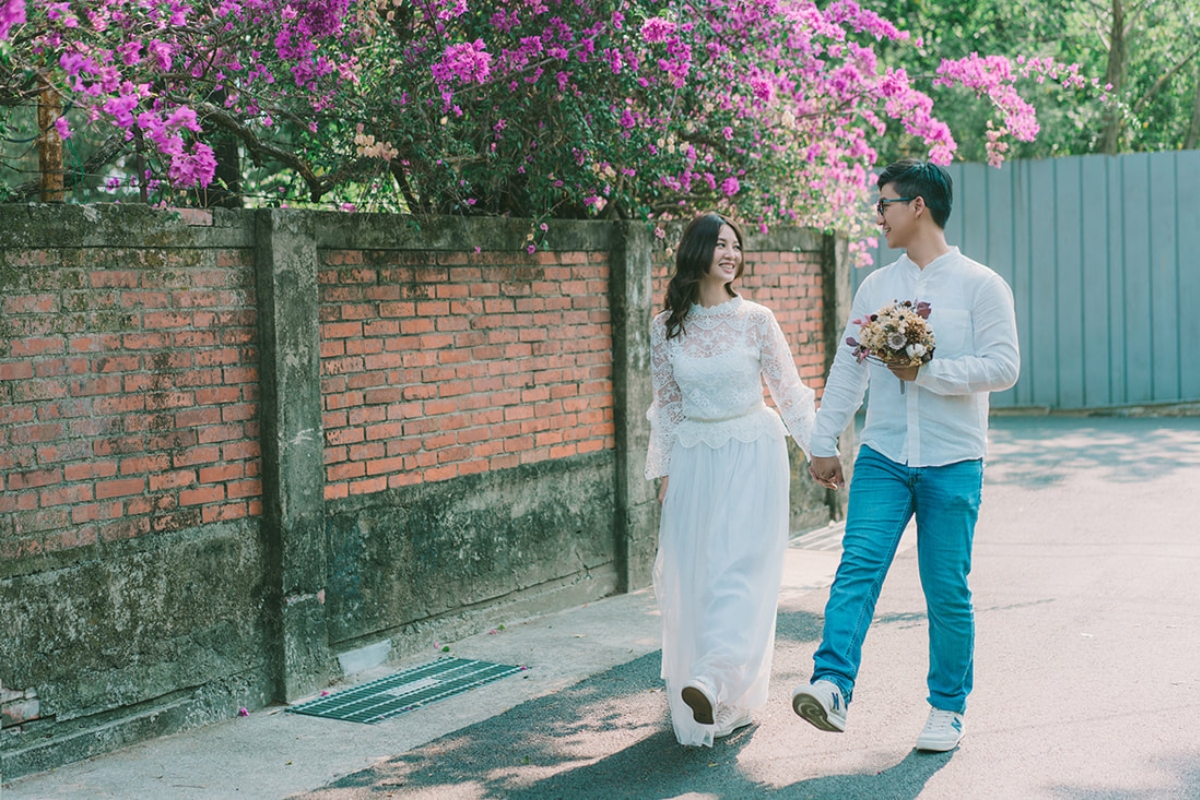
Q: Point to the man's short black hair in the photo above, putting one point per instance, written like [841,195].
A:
[915,178]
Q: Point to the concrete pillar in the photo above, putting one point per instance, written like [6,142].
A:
[293,446]
[837,296]
[632,302]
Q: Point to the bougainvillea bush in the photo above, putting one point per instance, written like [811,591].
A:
[641,109]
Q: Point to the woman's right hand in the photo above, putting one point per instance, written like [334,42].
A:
[662,489]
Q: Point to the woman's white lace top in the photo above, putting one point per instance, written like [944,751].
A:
[707,384]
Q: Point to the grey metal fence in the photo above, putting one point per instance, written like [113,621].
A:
[1101,253]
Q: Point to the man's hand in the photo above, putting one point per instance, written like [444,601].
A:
[827,471]
[905,373]
[662,489]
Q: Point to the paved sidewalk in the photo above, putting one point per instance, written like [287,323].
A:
[1086,599]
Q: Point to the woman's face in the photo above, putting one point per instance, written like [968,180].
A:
[727,258]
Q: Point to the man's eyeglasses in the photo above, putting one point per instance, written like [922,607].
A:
[882,205]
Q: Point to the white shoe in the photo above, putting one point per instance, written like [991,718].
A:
[700,699]
[730,719]
[943,731]
[821,705]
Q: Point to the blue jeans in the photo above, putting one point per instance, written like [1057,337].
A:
[884,496]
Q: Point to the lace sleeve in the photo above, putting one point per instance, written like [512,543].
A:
[795,401]
[667,409]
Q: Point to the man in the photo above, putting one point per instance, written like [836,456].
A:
[922,452]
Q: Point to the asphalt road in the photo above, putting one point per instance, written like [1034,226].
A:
[1088,647]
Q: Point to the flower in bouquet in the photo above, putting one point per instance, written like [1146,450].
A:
[895,336]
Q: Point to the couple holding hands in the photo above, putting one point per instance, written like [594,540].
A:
[721,455]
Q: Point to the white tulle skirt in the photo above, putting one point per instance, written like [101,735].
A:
[721,542]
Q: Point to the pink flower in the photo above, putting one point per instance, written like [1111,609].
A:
[12,13]
[469,63]
[730,186]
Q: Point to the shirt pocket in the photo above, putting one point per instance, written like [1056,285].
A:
[952,332]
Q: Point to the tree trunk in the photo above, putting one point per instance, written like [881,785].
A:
[1114,75]
[226,187]
[49,144]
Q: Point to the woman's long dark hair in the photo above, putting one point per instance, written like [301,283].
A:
[693,259]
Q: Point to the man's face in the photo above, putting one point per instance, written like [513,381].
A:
[894,216]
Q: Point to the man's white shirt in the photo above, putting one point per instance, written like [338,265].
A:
[941,418]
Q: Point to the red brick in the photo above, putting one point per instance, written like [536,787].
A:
[87,470]
[79,493]
[385,465]
[387,430]
[145,464]
[207,415]
[240,375]
[161,481]
[220,433]
[188,339]
[144,300]
[225,512]
[96,511]
[441,473]
[120,488]
[35,346]
[118,404]
[412,327]
[236,451]
[201,494]
[34,479]
[31,434]
[367,347]
[197,455]
[341,472]
[156,320]
[341,330]
[145,341]
[239,489]
[366,414]
[161,400]
[61,366]
[218,395]
[405,479]
[368,486]
[383,396]
[19,370]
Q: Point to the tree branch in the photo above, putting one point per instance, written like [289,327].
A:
[105,153]
[1164,79]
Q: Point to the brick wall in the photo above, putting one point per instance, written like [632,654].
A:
[128,394]
[436,365]
[236,444]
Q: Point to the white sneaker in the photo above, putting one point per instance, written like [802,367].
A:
[943,731]
[730,719]
[700,699]
[820,703]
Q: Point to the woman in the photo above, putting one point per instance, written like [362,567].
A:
[723,461]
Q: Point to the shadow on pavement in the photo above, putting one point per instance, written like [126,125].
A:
[1041,452]
[606,737]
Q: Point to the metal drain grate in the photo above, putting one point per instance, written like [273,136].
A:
[406,690]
